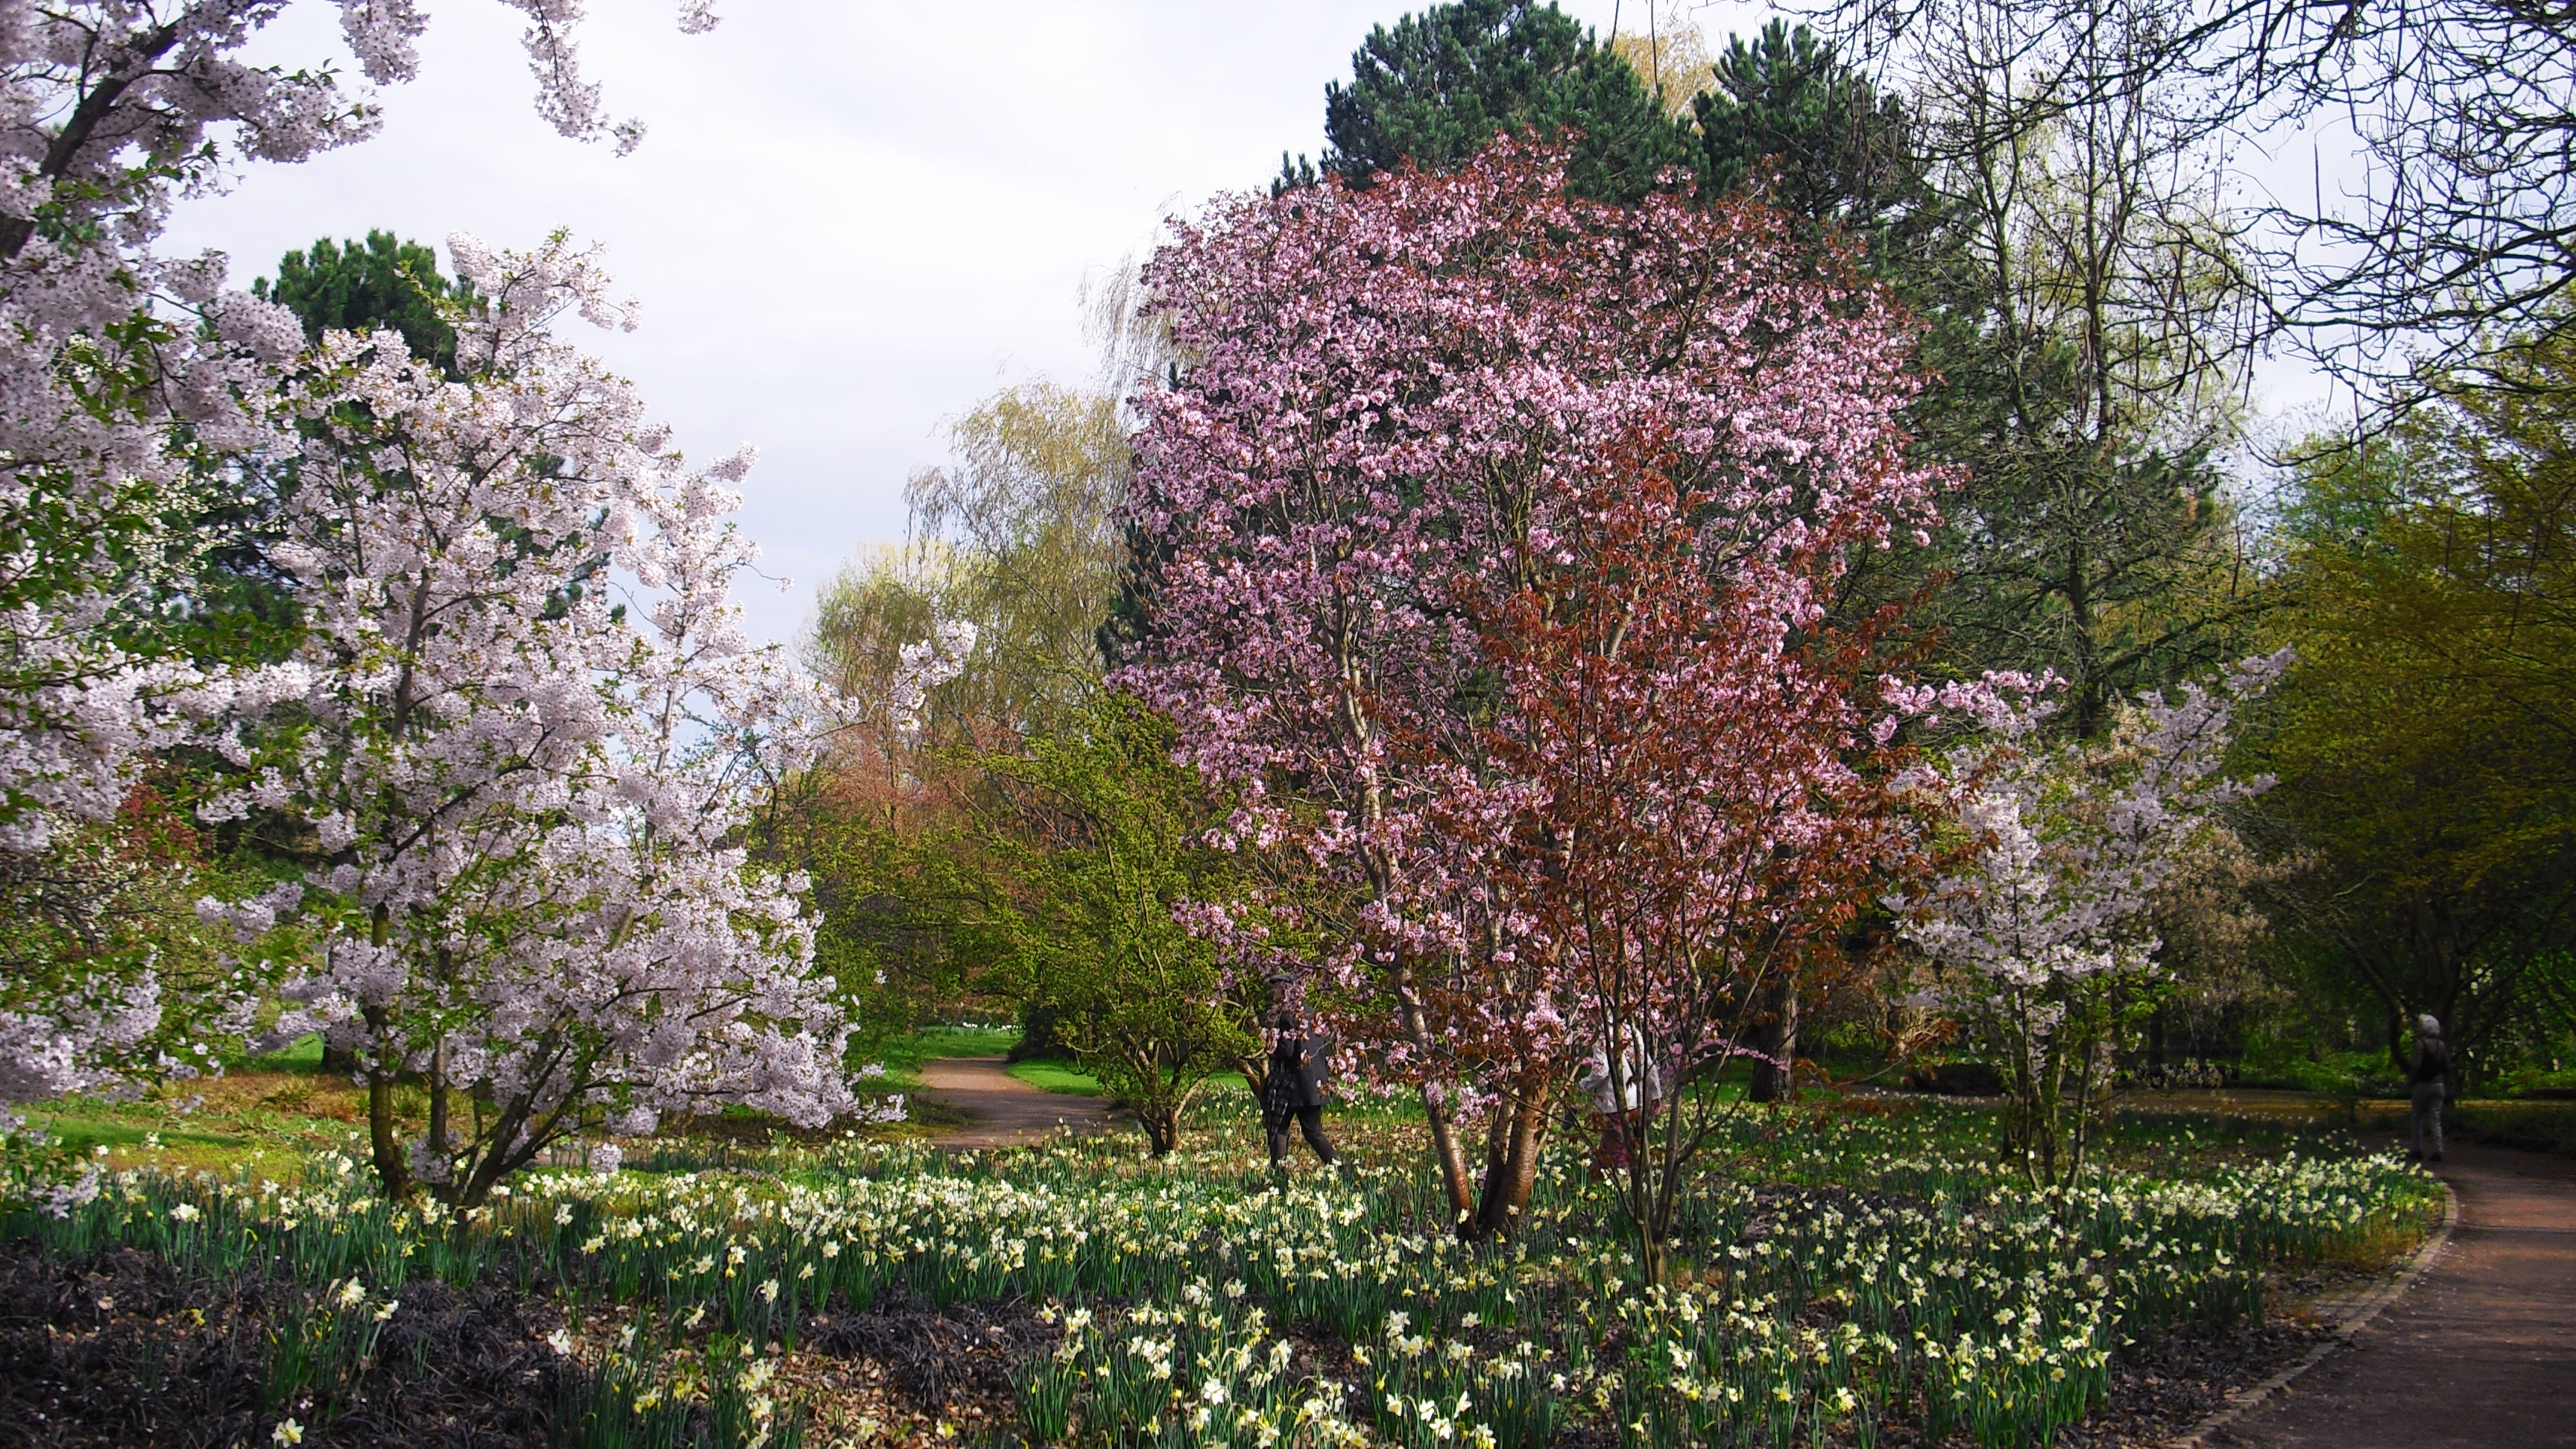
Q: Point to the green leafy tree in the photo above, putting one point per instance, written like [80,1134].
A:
[1015,536]
[1024,516]
[1101,836]
[2426,740]
[1438,85]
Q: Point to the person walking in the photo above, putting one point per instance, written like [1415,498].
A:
[1292,1091]
[2430,1087]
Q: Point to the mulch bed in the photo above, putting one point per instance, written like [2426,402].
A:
[2158,1393]
[116,1349]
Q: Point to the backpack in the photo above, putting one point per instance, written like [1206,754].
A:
[2432,1060]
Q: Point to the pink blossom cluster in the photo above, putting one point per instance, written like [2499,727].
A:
[1495,534]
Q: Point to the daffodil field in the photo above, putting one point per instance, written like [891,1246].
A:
[1843,1274]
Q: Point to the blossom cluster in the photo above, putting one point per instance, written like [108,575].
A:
[137,391]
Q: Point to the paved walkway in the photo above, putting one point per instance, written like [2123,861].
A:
[1007,1111]
[2480,1354]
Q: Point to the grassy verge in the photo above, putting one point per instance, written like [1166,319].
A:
[902,1056]
[1057,1077]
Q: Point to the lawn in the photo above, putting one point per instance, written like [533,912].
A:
[1850,1272]
[902,1056]
[1057,1077]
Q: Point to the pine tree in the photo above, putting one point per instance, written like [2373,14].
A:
[1439,85]
[1789,121]
[384,283]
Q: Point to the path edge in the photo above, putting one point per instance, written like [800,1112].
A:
[2241,1402]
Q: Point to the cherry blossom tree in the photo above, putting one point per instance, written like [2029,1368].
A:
[131,387]
[2045,922]
[1708,783]
[524,795]
[1493,532]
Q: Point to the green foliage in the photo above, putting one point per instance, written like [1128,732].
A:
[2426,739]
[906,918]
[1789,121]
[1440,84]
[381,284]
[1101,838]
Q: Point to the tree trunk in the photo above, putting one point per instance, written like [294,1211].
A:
[1453,1160]
[1162,1128]
[438,1100]
[1778,1081]
[391,1168]
[1511,1161]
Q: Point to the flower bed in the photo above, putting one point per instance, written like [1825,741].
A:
[1849,1278]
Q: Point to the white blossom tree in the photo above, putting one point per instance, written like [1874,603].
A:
[2043,923]
[525,730]
[132,385]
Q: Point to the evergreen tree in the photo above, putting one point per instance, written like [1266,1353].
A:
[1439,85]
[1788,121]
[382,283]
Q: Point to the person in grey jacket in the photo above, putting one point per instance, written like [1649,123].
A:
[2430,1086]
[1292,1091]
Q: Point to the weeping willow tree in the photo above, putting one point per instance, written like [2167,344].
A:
[912,865]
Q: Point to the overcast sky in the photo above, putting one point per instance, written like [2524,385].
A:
[850,219]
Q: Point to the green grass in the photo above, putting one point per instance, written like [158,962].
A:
[304,1056]
[1226,1088]
[80,1134]
[1057,1077]
[902,1056]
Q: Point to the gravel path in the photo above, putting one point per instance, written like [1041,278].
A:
[1007,1111]
[2480,1354]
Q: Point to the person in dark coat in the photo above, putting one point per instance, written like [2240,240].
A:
[1292,1091]
[2430,1082]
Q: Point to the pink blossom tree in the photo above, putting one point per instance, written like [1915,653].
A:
[2044,922]
[1473,498]
[131,389]
[525,731]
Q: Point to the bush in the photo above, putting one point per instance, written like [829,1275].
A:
[2531,1126]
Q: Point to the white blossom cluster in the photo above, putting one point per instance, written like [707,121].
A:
[2068,846]
[135,389]
[923,667]
[526,730]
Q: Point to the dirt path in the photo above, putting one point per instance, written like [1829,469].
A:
[2480,1353]
[1007,1111]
